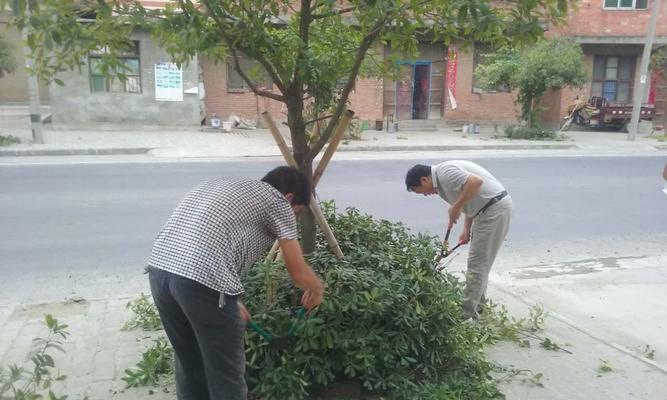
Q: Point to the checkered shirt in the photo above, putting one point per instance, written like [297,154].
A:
[221,228]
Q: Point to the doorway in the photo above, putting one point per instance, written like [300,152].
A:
[413,89]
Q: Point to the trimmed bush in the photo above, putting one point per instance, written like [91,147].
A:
[389,321]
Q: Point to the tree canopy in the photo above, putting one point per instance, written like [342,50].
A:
[549,64]
[7,59]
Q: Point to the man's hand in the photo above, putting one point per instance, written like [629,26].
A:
[301,273]
[312,299]
[245,315]
[454,214]
[465,237]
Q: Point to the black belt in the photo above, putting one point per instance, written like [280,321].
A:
[492,202]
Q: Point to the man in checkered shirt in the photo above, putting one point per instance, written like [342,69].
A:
[218,230]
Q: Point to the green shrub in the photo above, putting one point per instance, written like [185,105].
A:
[535,133]
[354,130]
[9,140]
[388,321]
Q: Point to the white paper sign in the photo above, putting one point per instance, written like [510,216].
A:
[168,82]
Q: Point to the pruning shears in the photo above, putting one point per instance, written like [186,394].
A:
[445,251]
[279,341]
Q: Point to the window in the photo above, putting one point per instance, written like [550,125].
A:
[481,55]
[613,78]
[131,70]
[626,4]
[253,70]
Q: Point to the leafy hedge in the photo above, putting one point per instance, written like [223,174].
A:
[388,321]
[534,133]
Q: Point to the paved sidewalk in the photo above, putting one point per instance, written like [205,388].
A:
[98,352]
[576,376]
[173,143]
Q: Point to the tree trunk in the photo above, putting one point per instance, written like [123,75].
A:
[528,111]
[297,126]
[308,229]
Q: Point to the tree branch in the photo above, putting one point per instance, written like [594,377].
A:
[268,67]
[317,119]
[248,81]
[366,43]
[332,13]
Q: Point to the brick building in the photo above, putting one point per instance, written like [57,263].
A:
[611,34]
[439,87]
[156,91]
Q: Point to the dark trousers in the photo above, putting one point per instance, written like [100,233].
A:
[207,340]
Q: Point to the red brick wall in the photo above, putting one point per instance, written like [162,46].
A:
[551,108]
[478,107]
[591,19]
[366,98]
[222,103]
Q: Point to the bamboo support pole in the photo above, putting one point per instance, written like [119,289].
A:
[314,206]
[333,145]
[272,252]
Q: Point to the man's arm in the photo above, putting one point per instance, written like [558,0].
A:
[470,189]
[301,273]
[465,235]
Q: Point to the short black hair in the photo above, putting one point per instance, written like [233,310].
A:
[414,175]
[290,180]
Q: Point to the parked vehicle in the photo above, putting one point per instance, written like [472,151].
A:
[600,113]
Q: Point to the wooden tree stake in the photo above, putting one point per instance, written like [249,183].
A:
[314,206]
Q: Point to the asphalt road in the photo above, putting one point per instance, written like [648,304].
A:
[103,216]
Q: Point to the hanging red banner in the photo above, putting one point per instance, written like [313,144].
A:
[653,85]
[452,63]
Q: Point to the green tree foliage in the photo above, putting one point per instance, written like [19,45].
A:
[549,64]
[313,50]
[7,59]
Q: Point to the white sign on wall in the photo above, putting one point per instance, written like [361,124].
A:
[168,82]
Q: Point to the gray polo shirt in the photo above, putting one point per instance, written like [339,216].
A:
[450,176]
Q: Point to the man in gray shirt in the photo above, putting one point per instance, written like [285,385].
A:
[473,191]
[219,229]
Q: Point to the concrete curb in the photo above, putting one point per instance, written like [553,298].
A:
[72,152]
[661,146]
[145,150]
[460,147]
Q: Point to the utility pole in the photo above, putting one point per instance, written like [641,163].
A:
[640,87]
[33,94]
